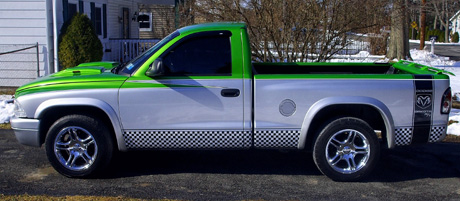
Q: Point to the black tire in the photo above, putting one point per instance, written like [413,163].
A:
[79,146]
[347,149]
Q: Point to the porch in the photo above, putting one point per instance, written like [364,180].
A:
[124,50]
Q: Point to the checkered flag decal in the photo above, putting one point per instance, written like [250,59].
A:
[437,133]
[403,136]
[174,139]
[276,138]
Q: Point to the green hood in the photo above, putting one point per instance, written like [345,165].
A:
[95,75]
[106,64]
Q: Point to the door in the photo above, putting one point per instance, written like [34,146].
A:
[196,103]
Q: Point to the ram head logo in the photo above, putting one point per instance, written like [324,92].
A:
[424,101]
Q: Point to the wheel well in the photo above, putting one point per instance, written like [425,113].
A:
[51,115]
[367,113]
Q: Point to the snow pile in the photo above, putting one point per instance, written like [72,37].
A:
[6,108]
[426,58]
[454,128]
[454,115]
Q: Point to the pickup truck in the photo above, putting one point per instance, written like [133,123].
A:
[198,89]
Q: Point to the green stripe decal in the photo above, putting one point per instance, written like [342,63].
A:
[69,86]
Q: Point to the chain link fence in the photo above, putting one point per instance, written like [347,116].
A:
[19,64]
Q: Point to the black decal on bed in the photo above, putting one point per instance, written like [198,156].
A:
[423,108]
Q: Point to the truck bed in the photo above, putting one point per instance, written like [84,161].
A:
[323,68]
[401,67]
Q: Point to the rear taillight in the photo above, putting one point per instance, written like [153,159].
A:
[446,103]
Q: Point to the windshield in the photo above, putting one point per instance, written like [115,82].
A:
[134,64]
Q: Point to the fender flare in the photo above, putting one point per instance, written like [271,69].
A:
[354,100]
[105,107]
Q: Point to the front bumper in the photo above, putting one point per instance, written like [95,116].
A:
[26,131]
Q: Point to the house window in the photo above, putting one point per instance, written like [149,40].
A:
[98,21]
[99,18]
[72,10]
[145,21]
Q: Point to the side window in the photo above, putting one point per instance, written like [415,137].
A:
[210,55]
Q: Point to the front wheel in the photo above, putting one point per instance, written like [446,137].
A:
[347,149]
[79,146]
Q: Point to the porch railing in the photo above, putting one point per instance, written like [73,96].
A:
[124,50]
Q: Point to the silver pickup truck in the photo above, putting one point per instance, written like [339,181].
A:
[198,89]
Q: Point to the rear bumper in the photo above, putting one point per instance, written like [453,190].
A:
[26,131]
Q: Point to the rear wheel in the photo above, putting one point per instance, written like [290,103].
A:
[347,149]
[79,146]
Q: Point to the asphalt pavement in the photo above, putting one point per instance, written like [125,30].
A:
[425,172]
[451,51]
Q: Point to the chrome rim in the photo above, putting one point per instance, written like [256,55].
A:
[348,151]
[75,148]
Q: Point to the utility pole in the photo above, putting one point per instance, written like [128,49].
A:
[422,24]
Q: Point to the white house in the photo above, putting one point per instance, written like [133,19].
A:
[455,21]
[24,23]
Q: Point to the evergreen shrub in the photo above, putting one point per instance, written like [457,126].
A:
[79,43]
[455,37]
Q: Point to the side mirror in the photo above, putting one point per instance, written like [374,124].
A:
[156,68]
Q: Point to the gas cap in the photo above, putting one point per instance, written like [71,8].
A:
[287,107]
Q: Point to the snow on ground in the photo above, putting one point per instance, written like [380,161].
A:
[6,108]
[419,56]
[454,128]
[427,42]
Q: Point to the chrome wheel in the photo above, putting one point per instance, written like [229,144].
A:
[348,151]
[75,148]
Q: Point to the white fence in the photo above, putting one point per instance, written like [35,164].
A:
[124,50]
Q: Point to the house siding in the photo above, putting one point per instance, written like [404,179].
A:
[455,20]
[456,25]
[162,20]
[23,23]
[28,22]
[115,11]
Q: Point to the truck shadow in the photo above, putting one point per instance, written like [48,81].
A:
[400,164]
[439,160]
[265,162]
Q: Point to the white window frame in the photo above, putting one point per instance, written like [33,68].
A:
[150,21]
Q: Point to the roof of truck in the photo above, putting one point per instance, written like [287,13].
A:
[213,26]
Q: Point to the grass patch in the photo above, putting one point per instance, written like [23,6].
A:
[5,126]
[451,122]
[67,198]
[452,138]
[455,104]
[7,90]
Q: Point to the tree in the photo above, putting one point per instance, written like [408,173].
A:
[294,30]
[399,35]
[443,10]
[79,43]
[422,24]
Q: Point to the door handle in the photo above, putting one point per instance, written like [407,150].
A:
[230,92]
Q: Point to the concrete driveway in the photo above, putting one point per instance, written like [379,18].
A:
[409,173]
